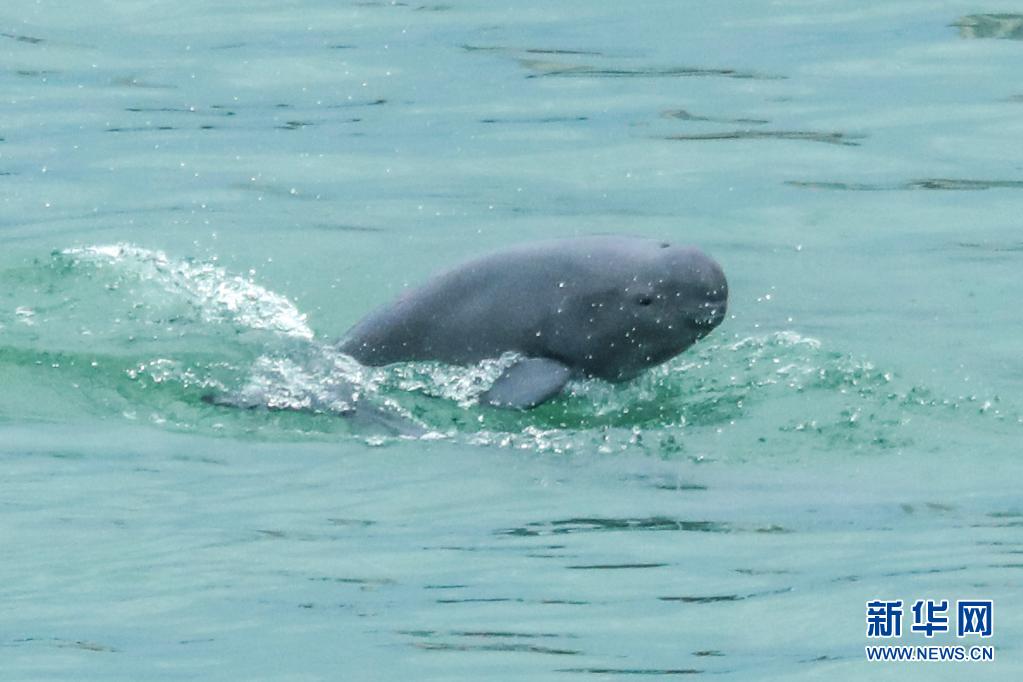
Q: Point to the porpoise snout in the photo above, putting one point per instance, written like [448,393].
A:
[710,288]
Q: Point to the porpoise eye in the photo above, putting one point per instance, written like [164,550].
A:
[644,300]
[665,245]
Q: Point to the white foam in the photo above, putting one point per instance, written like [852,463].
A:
[217,294]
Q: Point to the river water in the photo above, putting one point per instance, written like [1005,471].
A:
[199,198]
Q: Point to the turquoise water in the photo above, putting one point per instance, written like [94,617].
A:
[200,197]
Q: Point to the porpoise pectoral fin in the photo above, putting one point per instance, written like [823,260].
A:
[527,383]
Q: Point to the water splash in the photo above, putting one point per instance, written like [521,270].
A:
[210,289]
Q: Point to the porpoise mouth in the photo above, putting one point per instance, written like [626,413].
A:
[710,314]
[706,321]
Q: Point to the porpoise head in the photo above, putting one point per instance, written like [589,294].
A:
[661,300]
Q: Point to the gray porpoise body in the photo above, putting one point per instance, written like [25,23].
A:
[606,307]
